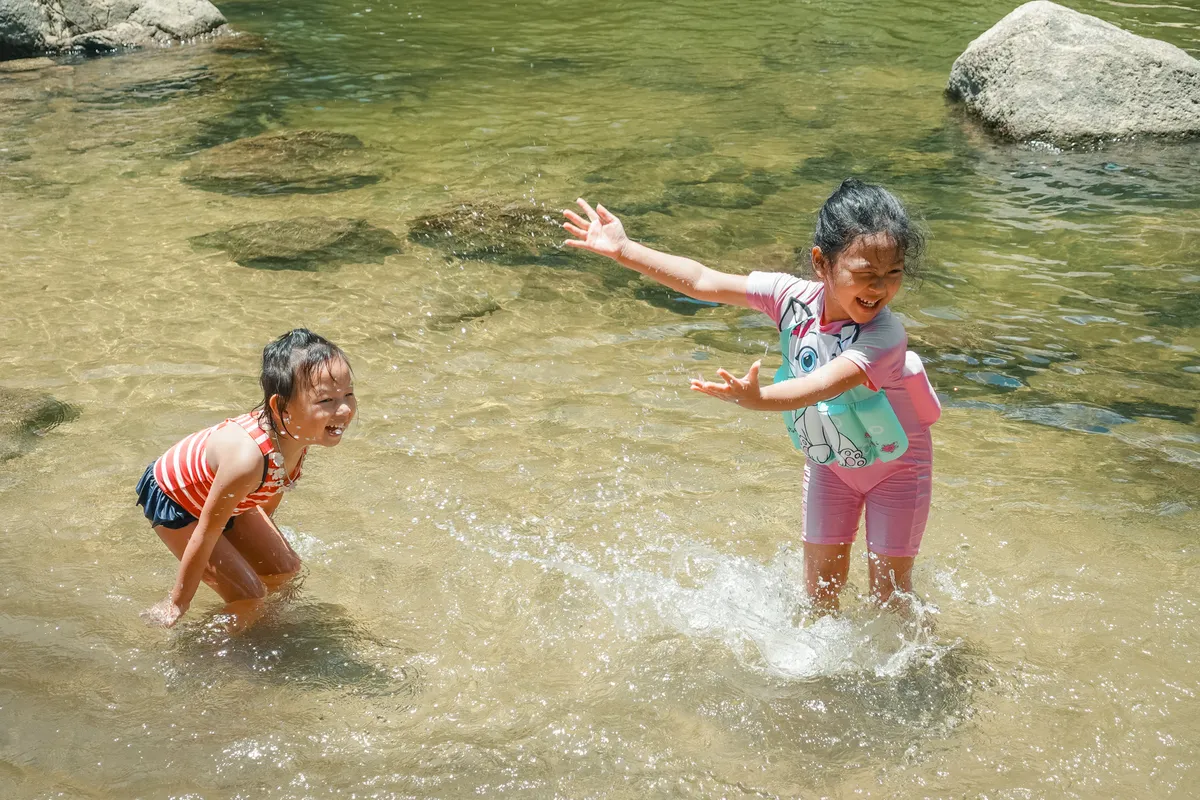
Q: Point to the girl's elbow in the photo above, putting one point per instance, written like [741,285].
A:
[707,284]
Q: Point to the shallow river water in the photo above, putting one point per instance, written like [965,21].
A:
[538,566]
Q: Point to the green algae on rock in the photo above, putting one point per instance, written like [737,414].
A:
[492,232]
[292,162]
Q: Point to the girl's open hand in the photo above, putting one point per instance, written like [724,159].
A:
[163,615]
[602,234]
[743,391]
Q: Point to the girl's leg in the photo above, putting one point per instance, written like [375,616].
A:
[826,567]
[255,536]
[897,511]
[889,574]
[831,513]
[228,573]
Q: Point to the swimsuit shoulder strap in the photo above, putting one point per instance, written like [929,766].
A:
[261,438]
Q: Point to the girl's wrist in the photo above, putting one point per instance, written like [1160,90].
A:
[769,400]
[759,403]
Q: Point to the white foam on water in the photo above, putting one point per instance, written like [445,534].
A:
[759,611]
[307,546]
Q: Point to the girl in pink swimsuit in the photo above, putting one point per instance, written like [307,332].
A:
[838,335]
[210,497]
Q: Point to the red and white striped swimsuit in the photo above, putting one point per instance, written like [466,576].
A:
[183,472]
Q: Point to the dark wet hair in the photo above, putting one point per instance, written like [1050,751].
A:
[292,362]
[862,209]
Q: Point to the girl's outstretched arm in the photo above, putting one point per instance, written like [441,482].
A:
[826,383]
[604,234]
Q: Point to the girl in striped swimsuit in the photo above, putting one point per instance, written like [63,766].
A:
[210,497]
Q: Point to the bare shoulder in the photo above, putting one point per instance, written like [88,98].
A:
[233,452]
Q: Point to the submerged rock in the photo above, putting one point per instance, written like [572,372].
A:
[29,27]
[303,243]
[305,162]
[26,415]
[714,195]
[1071,417]
[19,65]
[639,183]
[489,232]
[1051,74]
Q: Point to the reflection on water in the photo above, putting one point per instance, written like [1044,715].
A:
[538,565]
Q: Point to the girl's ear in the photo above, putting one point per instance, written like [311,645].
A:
[818,262]
[274,408]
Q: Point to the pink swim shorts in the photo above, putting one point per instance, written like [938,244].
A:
[896,495]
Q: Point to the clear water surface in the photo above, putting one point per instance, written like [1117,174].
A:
[538,566]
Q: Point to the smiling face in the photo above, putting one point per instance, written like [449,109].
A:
[321,407]
[863,278]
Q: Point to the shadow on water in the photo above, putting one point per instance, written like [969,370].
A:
[934,695]
[306,645]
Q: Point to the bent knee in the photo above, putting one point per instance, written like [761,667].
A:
[282,567]
[239,587]
[252,588]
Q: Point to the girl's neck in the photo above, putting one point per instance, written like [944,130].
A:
[284,443]
[829,315]
[290,448]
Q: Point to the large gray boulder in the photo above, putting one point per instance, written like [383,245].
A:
[31,27]
[1051,74]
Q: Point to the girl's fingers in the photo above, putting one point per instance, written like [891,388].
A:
[708,387]
[727,376]
[723,396]
[575,243]
[582,234]
[591,212]
[575,218]
[605,216]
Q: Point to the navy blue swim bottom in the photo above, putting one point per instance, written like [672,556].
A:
[159,508]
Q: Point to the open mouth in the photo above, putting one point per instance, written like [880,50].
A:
[334,430]
[865,303]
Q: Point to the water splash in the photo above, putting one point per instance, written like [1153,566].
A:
[759,611]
